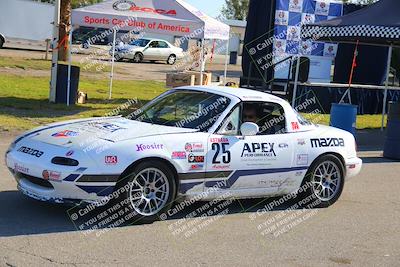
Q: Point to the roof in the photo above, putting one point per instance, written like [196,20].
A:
[236,23]
[171,17]
[241,93]
[378,23]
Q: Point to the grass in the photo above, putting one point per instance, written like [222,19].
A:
[24,99]
[42,64]
[363,121]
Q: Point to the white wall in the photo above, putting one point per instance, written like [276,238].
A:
[26,19]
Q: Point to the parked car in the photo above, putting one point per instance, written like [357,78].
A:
[148,49]
[193,143]
[87,36]
[2,40]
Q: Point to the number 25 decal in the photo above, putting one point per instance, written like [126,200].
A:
[226,154]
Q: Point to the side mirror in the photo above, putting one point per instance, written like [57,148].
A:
[249,128]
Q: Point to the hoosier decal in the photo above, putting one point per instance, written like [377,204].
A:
[327,142]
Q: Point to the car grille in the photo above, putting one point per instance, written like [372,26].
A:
[35,180]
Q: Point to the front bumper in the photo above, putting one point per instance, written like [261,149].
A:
[353,167]
[27,171]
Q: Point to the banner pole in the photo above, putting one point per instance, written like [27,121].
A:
[112,63]
[69,65]
[389,61]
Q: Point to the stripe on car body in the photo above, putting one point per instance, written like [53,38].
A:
[184,187]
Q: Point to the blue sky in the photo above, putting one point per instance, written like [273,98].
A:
[210,7]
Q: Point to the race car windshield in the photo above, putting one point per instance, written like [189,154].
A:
[140,42]
[185,109]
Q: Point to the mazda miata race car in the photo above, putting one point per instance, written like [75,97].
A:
[188,143]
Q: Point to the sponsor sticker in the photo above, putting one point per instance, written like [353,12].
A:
[143,147]
[196,166]
[283,145]
[253,150]
[54,175]
[219,140]
[295,125]
[30,151]
[220,167]
[111,160]
[178,155]
[51,175]
[192,158]
[194,147]
[301,142]
[327,142]
[105,126]
[302,159]
[65,133]
[69,153]
[20,168]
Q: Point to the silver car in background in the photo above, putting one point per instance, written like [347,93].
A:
[149,50]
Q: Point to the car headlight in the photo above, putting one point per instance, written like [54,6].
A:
[11,147]
[14,143]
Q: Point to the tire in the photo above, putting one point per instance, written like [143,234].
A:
[1,42]
[137,58]
[171,59]
[324,182]
[118,59]
[145,201]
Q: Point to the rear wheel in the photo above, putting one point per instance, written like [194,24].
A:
[152,190]
[324,181]
[1,42]
[137,58]
[171,60]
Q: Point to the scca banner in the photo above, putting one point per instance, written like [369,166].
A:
[291,14]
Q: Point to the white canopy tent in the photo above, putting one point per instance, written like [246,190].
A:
[169,17]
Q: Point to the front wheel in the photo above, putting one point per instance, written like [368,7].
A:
[152,190]
[324,181]
[137,58]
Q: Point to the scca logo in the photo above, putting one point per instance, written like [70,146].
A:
[125,5]
[327,142]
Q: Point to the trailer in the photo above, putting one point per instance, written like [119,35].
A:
[25,20]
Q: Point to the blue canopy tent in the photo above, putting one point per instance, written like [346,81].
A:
[376,24]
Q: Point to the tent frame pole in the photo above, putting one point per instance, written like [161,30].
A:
[201,61]
[389,61]
[226,60]
[69,65]
[54,57]
[296,81]
[112,64]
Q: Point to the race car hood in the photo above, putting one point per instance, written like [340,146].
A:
[112,129]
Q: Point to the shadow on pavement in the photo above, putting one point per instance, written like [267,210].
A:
[20,215]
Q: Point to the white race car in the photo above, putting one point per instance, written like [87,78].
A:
[190,143]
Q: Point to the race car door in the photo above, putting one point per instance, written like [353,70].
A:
[251,165]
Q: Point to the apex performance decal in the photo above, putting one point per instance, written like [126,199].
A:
[258,150]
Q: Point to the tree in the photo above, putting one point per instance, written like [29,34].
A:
[235,9]
[65,27]
[65,23]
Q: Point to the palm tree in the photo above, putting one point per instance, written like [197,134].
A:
[65,27]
